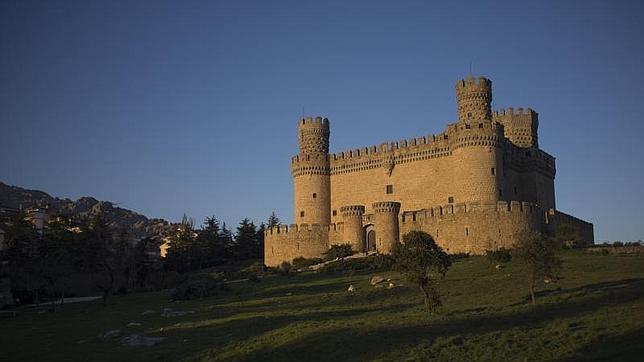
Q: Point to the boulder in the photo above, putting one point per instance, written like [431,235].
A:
[377,279]
[351,289]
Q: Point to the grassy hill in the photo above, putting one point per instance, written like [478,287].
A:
[595,312]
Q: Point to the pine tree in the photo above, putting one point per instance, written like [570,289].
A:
[246,240]
[273,221]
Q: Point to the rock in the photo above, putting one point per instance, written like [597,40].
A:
[391,285]
[139,340]
[351,289]
[377,279]
[110,334]
[133,324]
[499,266]
[148,312]
[177,313]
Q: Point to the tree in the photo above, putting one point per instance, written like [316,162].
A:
[568,235]
[422,262]
[538,255]
[100,254]
[247,244]
[210,244]
[273,221]
[181,247]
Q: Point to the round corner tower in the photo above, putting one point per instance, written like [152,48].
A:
[387,227]
[311,173]
[476,145]
[353,232]
[474,98]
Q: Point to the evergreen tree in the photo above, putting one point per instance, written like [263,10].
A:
[273,221]
[246,240]
[210,244]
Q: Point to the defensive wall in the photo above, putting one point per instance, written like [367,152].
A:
[476,227]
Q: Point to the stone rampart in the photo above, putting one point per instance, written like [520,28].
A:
[476,227]
[286,242]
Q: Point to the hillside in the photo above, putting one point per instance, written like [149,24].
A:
[135,224]
[595,312]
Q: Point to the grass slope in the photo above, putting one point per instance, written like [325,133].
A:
[595,312]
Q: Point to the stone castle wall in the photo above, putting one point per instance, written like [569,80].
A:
[287,242]
[475,228]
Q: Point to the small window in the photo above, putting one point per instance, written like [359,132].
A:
[515,190]
[315,195]
[450,199]
[335,212]
[500,193]
[469,114]
[467,231]
[390,189]
[480,125]
[467,126]
[301,213]
[493,173]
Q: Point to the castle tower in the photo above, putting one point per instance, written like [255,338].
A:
[386,222]
[311,173]
[474,98]
[353,232]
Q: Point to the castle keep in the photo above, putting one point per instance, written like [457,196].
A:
[474,187]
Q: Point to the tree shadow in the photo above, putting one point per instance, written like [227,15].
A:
[371,343]
[625,347]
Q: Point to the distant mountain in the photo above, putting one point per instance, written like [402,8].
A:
[135,224]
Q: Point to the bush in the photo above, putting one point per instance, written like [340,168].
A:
[372,262]
[199,286]
[301,262]
[255,271]
[618,244]
[338,252]
[501,255]
[284,268]
[458,256]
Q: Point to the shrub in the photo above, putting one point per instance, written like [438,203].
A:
[372,262]
[618,244]
[284,268]
[301,262]
[501,255]
[199,286]
[255,271]
[458,256]
[338,252]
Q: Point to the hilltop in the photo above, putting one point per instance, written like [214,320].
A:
[135,224]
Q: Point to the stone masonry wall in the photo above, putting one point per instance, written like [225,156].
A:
[475,228]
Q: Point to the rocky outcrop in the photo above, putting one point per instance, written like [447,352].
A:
[136,225]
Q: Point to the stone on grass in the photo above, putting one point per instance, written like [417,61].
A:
[147,312]
[499,266]
[351,289]
[377,279]
[391,285]
[139,340]
[110,334]
[177,313]
[133,324]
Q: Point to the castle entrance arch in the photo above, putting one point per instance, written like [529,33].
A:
[370,237]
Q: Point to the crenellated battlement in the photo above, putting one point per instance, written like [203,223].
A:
[430,214]
[520,126]
[352,210]
[474,97]
[386,206]
[303,228]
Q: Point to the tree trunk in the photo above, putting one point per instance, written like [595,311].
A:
[428,305]
[532,283]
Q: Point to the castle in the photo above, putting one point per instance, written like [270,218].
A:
[474,187]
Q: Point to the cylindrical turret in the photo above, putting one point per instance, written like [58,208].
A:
[311,173]
[353,232]
[474,98]
[386,222]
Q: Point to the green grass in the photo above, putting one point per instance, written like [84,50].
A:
[595,312]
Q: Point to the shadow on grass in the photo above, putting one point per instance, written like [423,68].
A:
[352,343]
[625,347]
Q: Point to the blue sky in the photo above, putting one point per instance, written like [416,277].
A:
[190,107]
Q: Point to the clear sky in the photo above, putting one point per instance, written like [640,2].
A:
[191,107]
